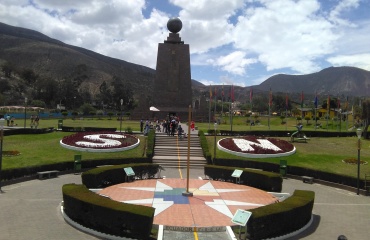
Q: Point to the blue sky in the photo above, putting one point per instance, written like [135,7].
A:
[240,42]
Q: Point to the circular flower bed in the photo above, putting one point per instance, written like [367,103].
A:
[11,153]
[256,147]
[353,161]
[100,142]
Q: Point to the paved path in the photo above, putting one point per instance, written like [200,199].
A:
[30,210]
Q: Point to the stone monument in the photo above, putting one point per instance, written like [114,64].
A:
[172,93]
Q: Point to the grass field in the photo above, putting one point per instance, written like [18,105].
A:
[325,154]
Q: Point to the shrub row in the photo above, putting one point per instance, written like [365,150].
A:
[111,175]
[281,218]
[204,145]
[266,181]
[105,215]
[17,131]
[298,171]
[283,133]
[14,173]
[150,144]
[87,129]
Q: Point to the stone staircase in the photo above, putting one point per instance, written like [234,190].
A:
[172,152]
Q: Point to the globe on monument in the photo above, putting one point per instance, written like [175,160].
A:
[174,25]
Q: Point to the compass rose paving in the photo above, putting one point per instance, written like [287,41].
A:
[213,202]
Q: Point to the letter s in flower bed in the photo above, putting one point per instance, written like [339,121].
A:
[100,142]
[256,147]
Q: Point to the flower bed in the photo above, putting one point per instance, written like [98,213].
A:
[100,142]
[256,147]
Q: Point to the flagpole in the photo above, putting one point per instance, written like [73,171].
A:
[328,112]
[269,108]
[250,116]
[214,112]
[286,112]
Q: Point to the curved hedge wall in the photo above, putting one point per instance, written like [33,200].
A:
[204,145]
[266,181]
[281,218]
[105,215]
[111,175]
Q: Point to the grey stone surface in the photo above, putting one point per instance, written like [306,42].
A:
[30,210]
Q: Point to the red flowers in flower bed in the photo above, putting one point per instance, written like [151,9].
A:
[253,146]
[99,140]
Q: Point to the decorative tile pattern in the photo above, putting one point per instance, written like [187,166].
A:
[213,203]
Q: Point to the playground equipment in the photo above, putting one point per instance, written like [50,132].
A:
[299,136]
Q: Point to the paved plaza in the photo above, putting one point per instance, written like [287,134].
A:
[31,210]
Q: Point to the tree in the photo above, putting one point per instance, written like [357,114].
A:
[29,76]
[366,116]
[7,68]
[307,118]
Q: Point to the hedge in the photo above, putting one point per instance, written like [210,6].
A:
[266,181]
[150,144]
[105,215]
[205,148]
[111,175]
[281,218]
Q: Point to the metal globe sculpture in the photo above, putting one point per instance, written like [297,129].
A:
[174,25]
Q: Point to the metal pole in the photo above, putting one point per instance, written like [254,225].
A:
[120,124]
[2,122]
[187,193]
[209,114]
[25,111]
[358,166]
[214,152]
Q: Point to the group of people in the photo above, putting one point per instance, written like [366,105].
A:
[35,121]
[170,126]
[10,121]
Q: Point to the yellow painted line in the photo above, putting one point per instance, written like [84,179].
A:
[195,233]
[178,157]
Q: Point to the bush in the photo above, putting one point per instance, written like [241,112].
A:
[204,145]
[150,144]
[281,218]
[105,215]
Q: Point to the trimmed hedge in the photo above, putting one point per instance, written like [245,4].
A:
[111,175]
[105,215]
[87,129]
[298,171]
[266,181]
[204,145]
[14,173]
[283,133]
[150,144]
[281,218]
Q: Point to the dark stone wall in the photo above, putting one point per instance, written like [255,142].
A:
[172,86]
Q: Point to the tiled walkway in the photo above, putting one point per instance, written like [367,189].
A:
[213,203]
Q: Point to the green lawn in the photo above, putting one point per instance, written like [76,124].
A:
[324,154]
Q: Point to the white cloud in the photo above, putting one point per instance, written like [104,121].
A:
[234,62]
[358,60]
[344,5]
[286,34]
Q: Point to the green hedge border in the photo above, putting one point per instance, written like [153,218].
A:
[204,146]
[281,218]
[266,181]
[105,215]
[111,175]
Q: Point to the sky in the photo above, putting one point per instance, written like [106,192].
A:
[240,42]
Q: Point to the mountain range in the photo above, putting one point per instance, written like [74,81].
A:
[48,57]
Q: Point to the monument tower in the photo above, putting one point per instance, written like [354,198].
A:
[172,93]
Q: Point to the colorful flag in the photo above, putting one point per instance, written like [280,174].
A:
[210,92]
[222,90]
[286,102]
[316,102]
[232,93]
[250,95]
[338,103]
[302,98]
[215,92]
[270,98]
[328,103]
